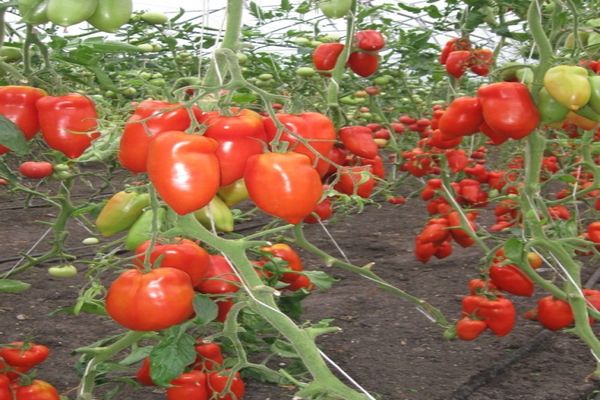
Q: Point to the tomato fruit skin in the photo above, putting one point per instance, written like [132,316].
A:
[38,390]
[240,136]
[18,104]
[34,11]
[151,117]
[110,15]
[184,255]
[499,314]
[217,382]
[141,230]
[335,9]
[24,355]
[469,329]
[153,301]
[325,56]
[209,356]
[184,169]
[189,385]
[68,123]
[5,392]
[219,212]
[369,40]
[462,118]
[554,314]
[323,211]
[284,185]
[551,111]
[154,17]
[481,61]
[359,141]
[317,129]
[143,374]
[508,109]
[350,181]
[509,278]
[219,278]
[363,64]
[569,85]
[70,12]
[458,62]
[289,255]
[121,211]
[36,169]
[234,193]
[63,271]
[451,45]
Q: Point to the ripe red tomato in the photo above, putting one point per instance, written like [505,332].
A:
[24,355]
[554,314]
[217,382]
[240,136]
[509,278]
[363,64]
[143,374]
[153,301]
[469,329]
[481,61]
[17,104]
[209,356]
[356,180]
[38,390]
[36,169]
[184,169]
[325,56]
[463,117]
[458,62]
[189,385]
[219,278]
[369,40]
[284,185]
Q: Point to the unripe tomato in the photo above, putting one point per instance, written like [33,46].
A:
[154,17]
[63,271]
[70,12]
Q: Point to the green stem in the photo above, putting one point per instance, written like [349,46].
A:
[88,381]
[263,303]
[370,275]
[230,40]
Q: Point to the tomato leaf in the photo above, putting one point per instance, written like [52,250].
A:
[107,46]
[13,286]
[137,355]
[284,349]
[320,279]
[12,137]
[206,310]
[172,355]
[514,250]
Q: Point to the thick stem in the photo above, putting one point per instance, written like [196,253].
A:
[235,9]
[88,381]
[261,300]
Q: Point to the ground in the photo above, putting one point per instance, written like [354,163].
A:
[386,344]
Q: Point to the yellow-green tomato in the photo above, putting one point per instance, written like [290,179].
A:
[63,271]
[154,17]
[70,12]
[569,85]
[110,15]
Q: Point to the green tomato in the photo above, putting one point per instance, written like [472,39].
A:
[34,12]
[145,75]
[70,12]
[329,38]
[301,41]
[242,58]
[381,80]
[146,47]
[335,8]
[160,82]
[265,77]
[315,43]
[154,17]
[157,75]
[110,15]
[156,47]
[305,72]
[90,240]
[63,271]
[11,54]
[129,91]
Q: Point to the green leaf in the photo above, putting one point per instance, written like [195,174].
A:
[107,46]
[13,286]
[285,5]
[12,137]
[94,307]
[137,355]
[6,173]
[568,179]
[408,8]
[514,250]
[206,310]
[244,98]
[263,375]
[171,356]
[320,279]
[303,7]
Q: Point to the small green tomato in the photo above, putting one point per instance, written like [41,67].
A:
[63,271]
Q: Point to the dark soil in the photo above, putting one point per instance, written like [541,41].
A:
[386,345]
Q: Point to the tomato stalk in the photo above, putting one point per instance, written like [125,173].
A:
[531,194]
[235,9]
[263,303]
[102,354]
[300,240]
[340,65]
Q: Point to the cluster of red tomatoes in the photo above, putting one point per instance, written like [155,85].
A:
[16,360]
[458,56]
[205,378]
[363,61]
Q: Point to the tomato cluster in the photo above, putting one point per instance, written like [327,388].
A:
[458,56]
